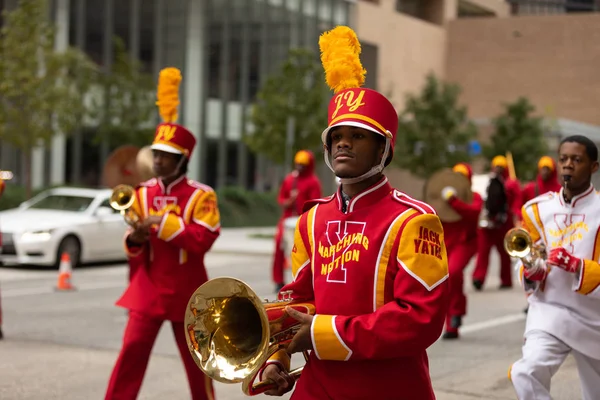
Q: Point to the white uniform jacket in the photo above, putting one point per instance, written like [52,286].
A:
[566,305]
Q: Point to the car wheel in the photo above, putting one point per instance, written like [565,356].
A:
[71,246]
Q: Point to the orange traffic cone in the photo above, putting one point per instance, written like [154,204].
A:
[64,273]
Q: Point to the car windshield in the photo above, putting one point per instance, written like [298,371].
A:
[62,202]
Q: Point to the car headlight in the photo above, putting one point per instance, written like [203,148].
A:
[37,236]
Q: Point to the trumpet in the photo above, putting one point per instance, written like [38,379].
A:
[518,244]
[231,333]
[121,199]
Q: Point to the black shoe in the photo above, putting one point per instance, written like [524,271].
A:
[278,287]
[456,321]
[505,287]
[478,285]
[1,334]
[526,310]
[450,335]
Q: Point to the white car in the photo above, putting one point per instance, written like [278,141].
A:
[79,222]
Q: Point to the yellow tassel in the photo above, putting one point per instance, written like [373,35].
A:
[340,50]
[168,94]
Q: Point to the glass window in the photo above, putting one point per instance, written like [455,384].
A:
[62,203]
[94,27]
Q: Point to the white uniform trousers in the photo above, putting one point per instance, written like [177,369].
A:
[543,354]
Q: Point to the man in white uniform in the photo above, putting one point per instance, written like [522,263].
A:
[564,300]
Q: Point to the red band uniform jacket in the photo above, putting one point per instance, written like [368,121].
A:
[378,275]
[168,269]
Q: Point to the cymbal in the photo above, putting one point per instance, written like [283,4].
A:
[433,193]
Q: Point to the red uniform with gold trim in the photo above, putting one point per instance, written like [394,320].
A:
[378,276]
[169,267]
[461,244]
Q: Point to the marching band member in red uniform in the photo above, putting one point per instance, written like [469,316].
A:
[372,258]
[546,180]
[179,224]
[2,186]
[297,188]
[503,213]
[461,245]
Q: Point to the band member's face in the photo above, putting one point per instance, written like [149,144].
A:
[574,162]
[300,168]
[499,171]
[355,151]
[545,173]
[164,164]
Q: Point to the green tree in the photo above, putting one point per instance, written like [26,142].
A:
[518,131]
[298,90]
[434,131]
[124,108]
[41,91]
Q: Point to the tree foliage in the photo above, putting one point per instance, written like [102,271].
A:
[298,90]
[124,107]
[434,131]
[518,131]
[41,91]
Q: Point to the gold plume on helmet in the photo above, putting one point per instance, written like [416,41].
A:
[340,50]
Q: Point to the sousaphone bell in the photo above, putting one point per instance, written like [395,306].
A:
[432,193]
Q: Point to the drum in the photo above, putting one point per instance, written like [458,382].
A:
[289,227]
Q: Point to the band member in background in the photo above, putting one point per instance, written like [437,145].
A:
[546,180]
[298,187]
[372,258]
[500,213]
[180,222]
[461,245]
[2,187]
[564,310]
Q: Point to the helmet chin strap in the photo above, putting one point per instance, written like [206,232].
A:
[372,172]
[176,171]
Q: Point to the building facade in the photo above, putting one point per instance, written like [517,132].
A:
[497,51]
[225,50]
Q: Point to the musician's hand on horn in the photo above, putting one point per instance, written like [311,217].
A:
[279,377]
[302,340]
[448,192]
[535,271]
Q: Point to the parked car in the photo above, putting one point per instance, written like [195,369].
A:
[77,221]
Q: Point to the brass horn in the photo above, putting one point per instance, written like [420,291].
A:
[231,333]
[121,199]
[518,244]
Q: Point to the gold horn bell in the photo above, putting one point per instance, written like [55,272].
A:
[121,199]
[518,244]
[231,333]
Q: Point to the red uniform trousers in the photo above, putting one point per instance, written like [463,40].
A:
[278,255]
[138,340]
[486,239]
[458,259]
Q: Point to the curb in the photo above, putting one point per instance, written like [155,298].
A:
[241,252]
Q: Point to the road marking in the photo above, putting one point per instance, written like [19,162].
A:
[7,293]
[492,323]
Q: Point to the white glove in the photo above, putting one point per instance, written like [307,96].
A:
[448,192]
[536,271]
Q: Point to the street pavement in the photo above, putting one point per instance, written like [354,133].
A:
[62,345]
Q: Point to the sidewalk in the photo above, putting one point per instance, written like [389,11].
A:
[240,241]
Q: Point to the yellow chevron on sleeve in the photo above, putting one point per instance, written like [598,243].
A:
[386,253]
[422,251]
[528,224]
[327,343]
[206,211]
[171,226]
[590,277]
[300,256]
